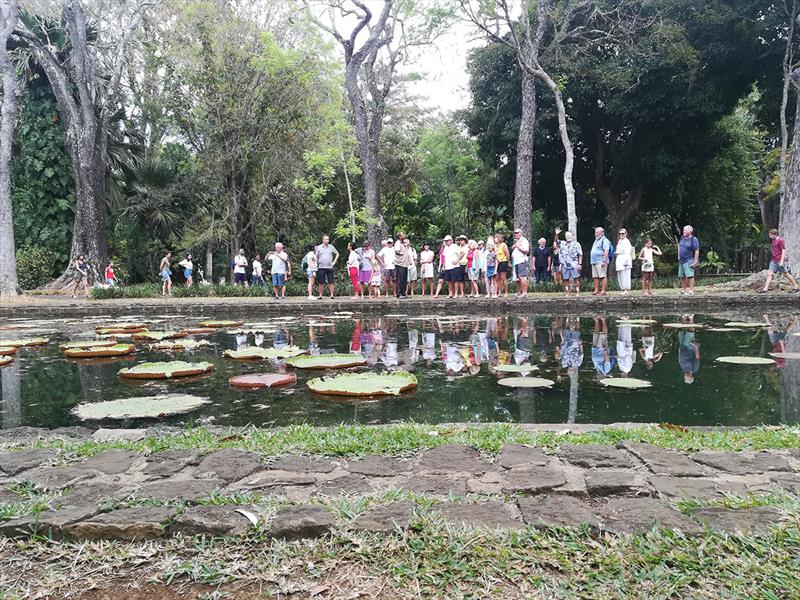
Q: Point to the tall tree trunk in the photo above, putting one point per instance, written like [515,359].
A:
[9,14]
[523,188]
[790,206]
[209,263]
[788,59]
[11,412]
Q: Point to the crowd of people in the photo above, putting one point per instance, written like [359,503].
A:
[465,268]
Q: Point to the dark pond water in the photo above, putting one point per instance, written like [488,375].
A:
[453,358]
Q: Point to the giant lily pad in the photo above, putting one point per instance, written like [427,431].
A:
[744,324]
[221,324]
[180,345]
[87,344]
[723,329]
[27,342]
[256,353]
[683,325]
[364,384]
[100,351]
[746,360]
[327,361]
[262,380]
[166,370]
[526,382]
[139,408]
[516,368]
[6,360]
[786,355]
[199,330]
[636,321]
[7,350]
[157,336]
[630,383]
[119,331]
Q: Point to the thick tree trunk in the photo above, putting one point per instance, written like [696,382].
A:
[209,274]
[788,59]
[790,206]
[9,286]
[11,411]
[523,188]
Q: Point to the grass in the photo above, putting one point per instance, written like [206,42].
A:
[406,438]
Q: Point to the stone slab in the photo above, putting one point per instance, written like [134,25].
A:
[386,518]
[297,522]
[556,511]
[492,515]
[348,484]
[742,463]
[170,462]
[693,487]
[595,456]
[451,458]
[111,462]
[379,466]
[140,523]
[55,478]
[179,489]
[230,464]
[533,480]
[273,479]
[50,523]
[89,494]
[789,482]
[302,464]
[615,482]
[639,515]
[519,455]
[662,461]
[214,521]
[8,496]
[12,463]
[755,521]
[435,484]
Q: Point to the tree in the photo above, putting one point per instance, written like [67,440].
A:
[87,88]
[9,14]
[790,206]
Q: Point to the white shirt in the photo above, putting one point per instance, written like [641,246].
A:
[257,268]
[353,259]
[426,257]
[452,256]
[521,249]
[240,263]
[278,260]
[624,258]
[387,256]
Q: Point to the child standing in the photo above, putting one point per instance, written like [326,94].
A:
[426,267]
[473,268]
[375,280]
[309,264]
[491,269]
[111,278]
[647,254]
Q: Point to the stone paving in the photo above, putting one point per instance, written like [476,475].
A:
[125,495]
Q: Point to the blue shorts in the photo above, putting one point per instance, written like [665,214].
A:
[311,273]
[685,269]
[776,267]
[570,273]
[165,275]
[187,273]
[278,279]
[490,272]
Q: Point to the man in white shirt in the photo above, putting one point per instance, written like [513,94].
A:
[239,270]
[281,269]
[452,260]
[519,258]
[387,258]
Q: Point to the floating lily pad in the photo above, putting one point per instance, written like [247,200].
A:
[636,321]
[221,324]
[724,329]
[6,360]
[121,331]
[157,336]
[27,342]
[199,330]
[122,325]
[746,360]
[87,344]
[139,408]
[744,324]
[100,351]
[166,370]
[262,380]
[364,384]
[256,353]
[526,382]
[683,325]
[516,368]
[180,345]
[327,361]
[8,350]
[786,355]
[630,383]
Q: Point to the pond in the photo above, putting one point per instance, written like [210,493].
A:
[453,358]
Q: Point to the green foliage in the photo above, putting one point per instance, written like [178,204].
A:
[713,261]
[36,265]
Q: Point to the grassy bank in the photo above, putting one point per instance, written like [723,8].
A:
[356,440]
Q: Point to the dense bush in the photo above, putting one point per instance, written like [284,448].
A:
[35,266]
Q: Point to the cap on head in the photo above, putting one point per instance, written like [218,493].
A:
[448,238]
[462,237]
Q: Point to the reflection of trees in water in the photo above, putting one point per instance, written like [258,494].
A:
[12,396]
[790,380]
[527,405]
[92,383]
[573,396]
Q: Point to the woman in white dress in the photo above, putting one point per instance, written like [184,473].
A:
[624,261]
[426,267]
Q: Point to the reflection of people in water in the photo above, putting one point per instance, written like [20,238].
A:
[648,349]
[522,344]
[571,346]
[428,346]
[241,340]
[688,355]
[777,338]
[453,359]
[542,340]
[625,355]
[601,356]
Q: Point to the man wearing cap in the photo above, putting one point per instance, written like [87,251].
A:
[402,261]
[386,255]
[453,254]
[519,258]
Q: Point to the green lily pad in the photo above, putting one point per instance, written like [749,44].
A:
[180,345]
[125,326]
[683,325]
[121,331]
[27,342]
[262,380]
[516,368]
[744,324]
[139,408]
[724,329]
[220,324]
[100,351]
[364,384]
[166,370]
[87,344]
[526,382]
[746,360]
[786,355]
[327,361]
[630,383]
[256,353]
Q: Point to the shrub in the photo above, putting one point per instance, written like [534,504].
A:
[35,266]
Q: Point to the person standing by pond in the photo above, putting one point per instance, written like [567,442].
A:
[281,270]
[777,263]
[452,256]
[571,255]
[502,264]
[555,265]
[413,272]
[365,269]
[353,263]
[240,269]
[327,255]
[542,261]
[166,274]
[519,258]
[386,257]
[624,261]
[257,276]
[110,276]
[426,267]
[647,256]
[402,261]
[491,268]
[688,259]
[309,266]
[601,248]
[188,269]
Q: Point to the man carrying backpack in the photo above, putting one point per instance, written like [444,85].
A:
[600,256]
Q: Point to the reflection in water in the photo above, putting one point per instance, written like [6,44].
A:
[12,395]
[782,338]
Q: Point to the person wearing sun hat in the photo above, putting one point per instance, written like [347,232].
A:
[452,259]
